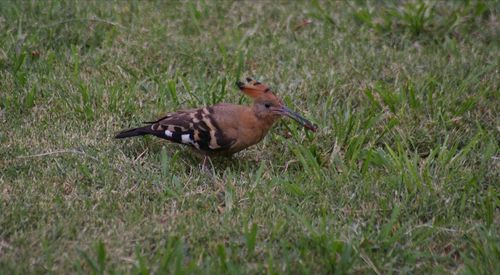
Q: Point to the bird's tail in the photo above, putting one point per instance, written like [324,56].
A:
[141,131]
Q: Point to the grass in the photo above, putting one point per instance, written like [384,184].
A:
[402,177]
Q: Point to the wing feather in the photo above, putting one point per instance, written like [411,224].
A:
[196,127]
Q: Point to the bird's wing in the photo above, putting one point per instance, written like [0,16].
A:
[196,127]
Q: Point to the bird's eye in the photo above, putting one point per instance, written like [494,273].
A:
[267,105]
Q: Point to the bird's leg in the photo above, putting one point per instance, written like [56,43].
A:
[208,166]
[204,163]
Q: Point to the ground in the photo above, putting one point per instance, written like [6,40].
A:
[401,177]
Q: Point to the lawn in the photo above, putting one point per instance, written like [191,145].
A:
[402,176]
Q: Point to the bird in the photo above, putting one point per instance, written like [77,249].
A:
[222,129]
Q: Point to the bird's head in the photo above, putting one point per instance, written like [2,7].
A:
[268,105]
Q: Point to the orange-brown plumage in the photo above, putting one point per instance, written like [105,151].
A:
[222,129]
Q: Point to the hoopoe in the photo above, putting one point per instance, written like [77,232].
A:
[222,129]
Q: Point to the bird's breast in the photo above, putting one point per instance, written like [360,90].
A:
[237,124]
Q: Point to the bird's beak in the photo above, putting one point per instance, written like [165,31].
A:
[284,111]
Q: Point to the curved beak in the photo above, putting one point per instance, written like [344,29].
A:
[284,111]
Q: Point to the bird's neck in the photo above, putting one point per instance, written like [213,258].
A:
[265,119]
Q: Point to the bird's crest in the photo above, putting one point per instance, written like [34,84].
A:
[253,88]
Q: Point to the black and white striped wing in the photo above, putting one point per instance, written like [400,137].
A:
[196,128]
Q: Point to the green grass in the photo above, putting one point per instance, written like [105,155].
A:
[402,176]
